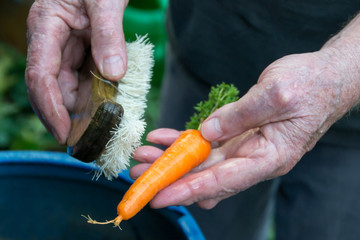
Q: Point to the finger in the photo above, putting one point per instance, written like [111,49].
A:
[147,154]
[138,169]
[107,37]
[200,184]
[72,58]
[261,105]
[190,189]
[220,181]
[229,149]
[47,35]
[163,136]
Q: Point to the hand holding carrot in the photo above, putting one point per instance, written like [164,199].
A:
[265,133]
[259,137]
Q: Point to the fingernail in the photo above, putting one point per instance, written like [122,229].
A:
[113,67]
[211,129]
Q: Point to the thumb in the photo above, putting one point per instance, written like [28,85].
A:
[258,107]
[107,37]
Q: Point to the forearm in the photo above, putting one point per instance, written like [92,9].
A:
[344,52]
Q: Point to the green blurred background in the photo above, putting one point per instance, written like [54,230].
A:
[20,128]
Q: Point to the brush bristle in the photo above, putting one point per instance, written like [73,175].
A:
[132,90]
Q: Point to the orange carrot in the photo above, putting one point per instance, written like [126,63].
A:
[188,151]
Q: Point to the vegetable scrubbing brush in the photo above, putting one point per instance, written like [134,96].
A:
[108,119]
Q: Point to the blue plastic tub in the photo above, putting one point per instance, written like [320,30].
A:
[44,194]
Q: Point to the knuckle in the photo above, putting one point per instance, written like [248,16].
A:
[39,9]
[204,187]
[283,96]
[107,39]
[34,10]
[31,76]
[106,5]
[31,19]
[106,30]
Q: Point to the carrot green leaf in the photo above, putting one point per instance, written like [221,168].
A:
[219,96]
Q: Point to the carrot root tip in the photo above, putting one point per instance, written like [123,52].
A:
[115,221]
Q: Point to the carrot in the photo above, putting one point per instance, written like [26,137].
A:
[188,151]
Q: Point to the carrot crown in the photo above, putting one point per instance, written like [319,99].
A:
[219,96]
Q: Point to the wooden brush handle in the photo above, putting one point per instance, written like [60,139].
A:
[95,114]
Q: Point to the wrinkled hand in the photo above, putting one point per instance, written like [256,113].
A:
[59,32]
[262,135]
